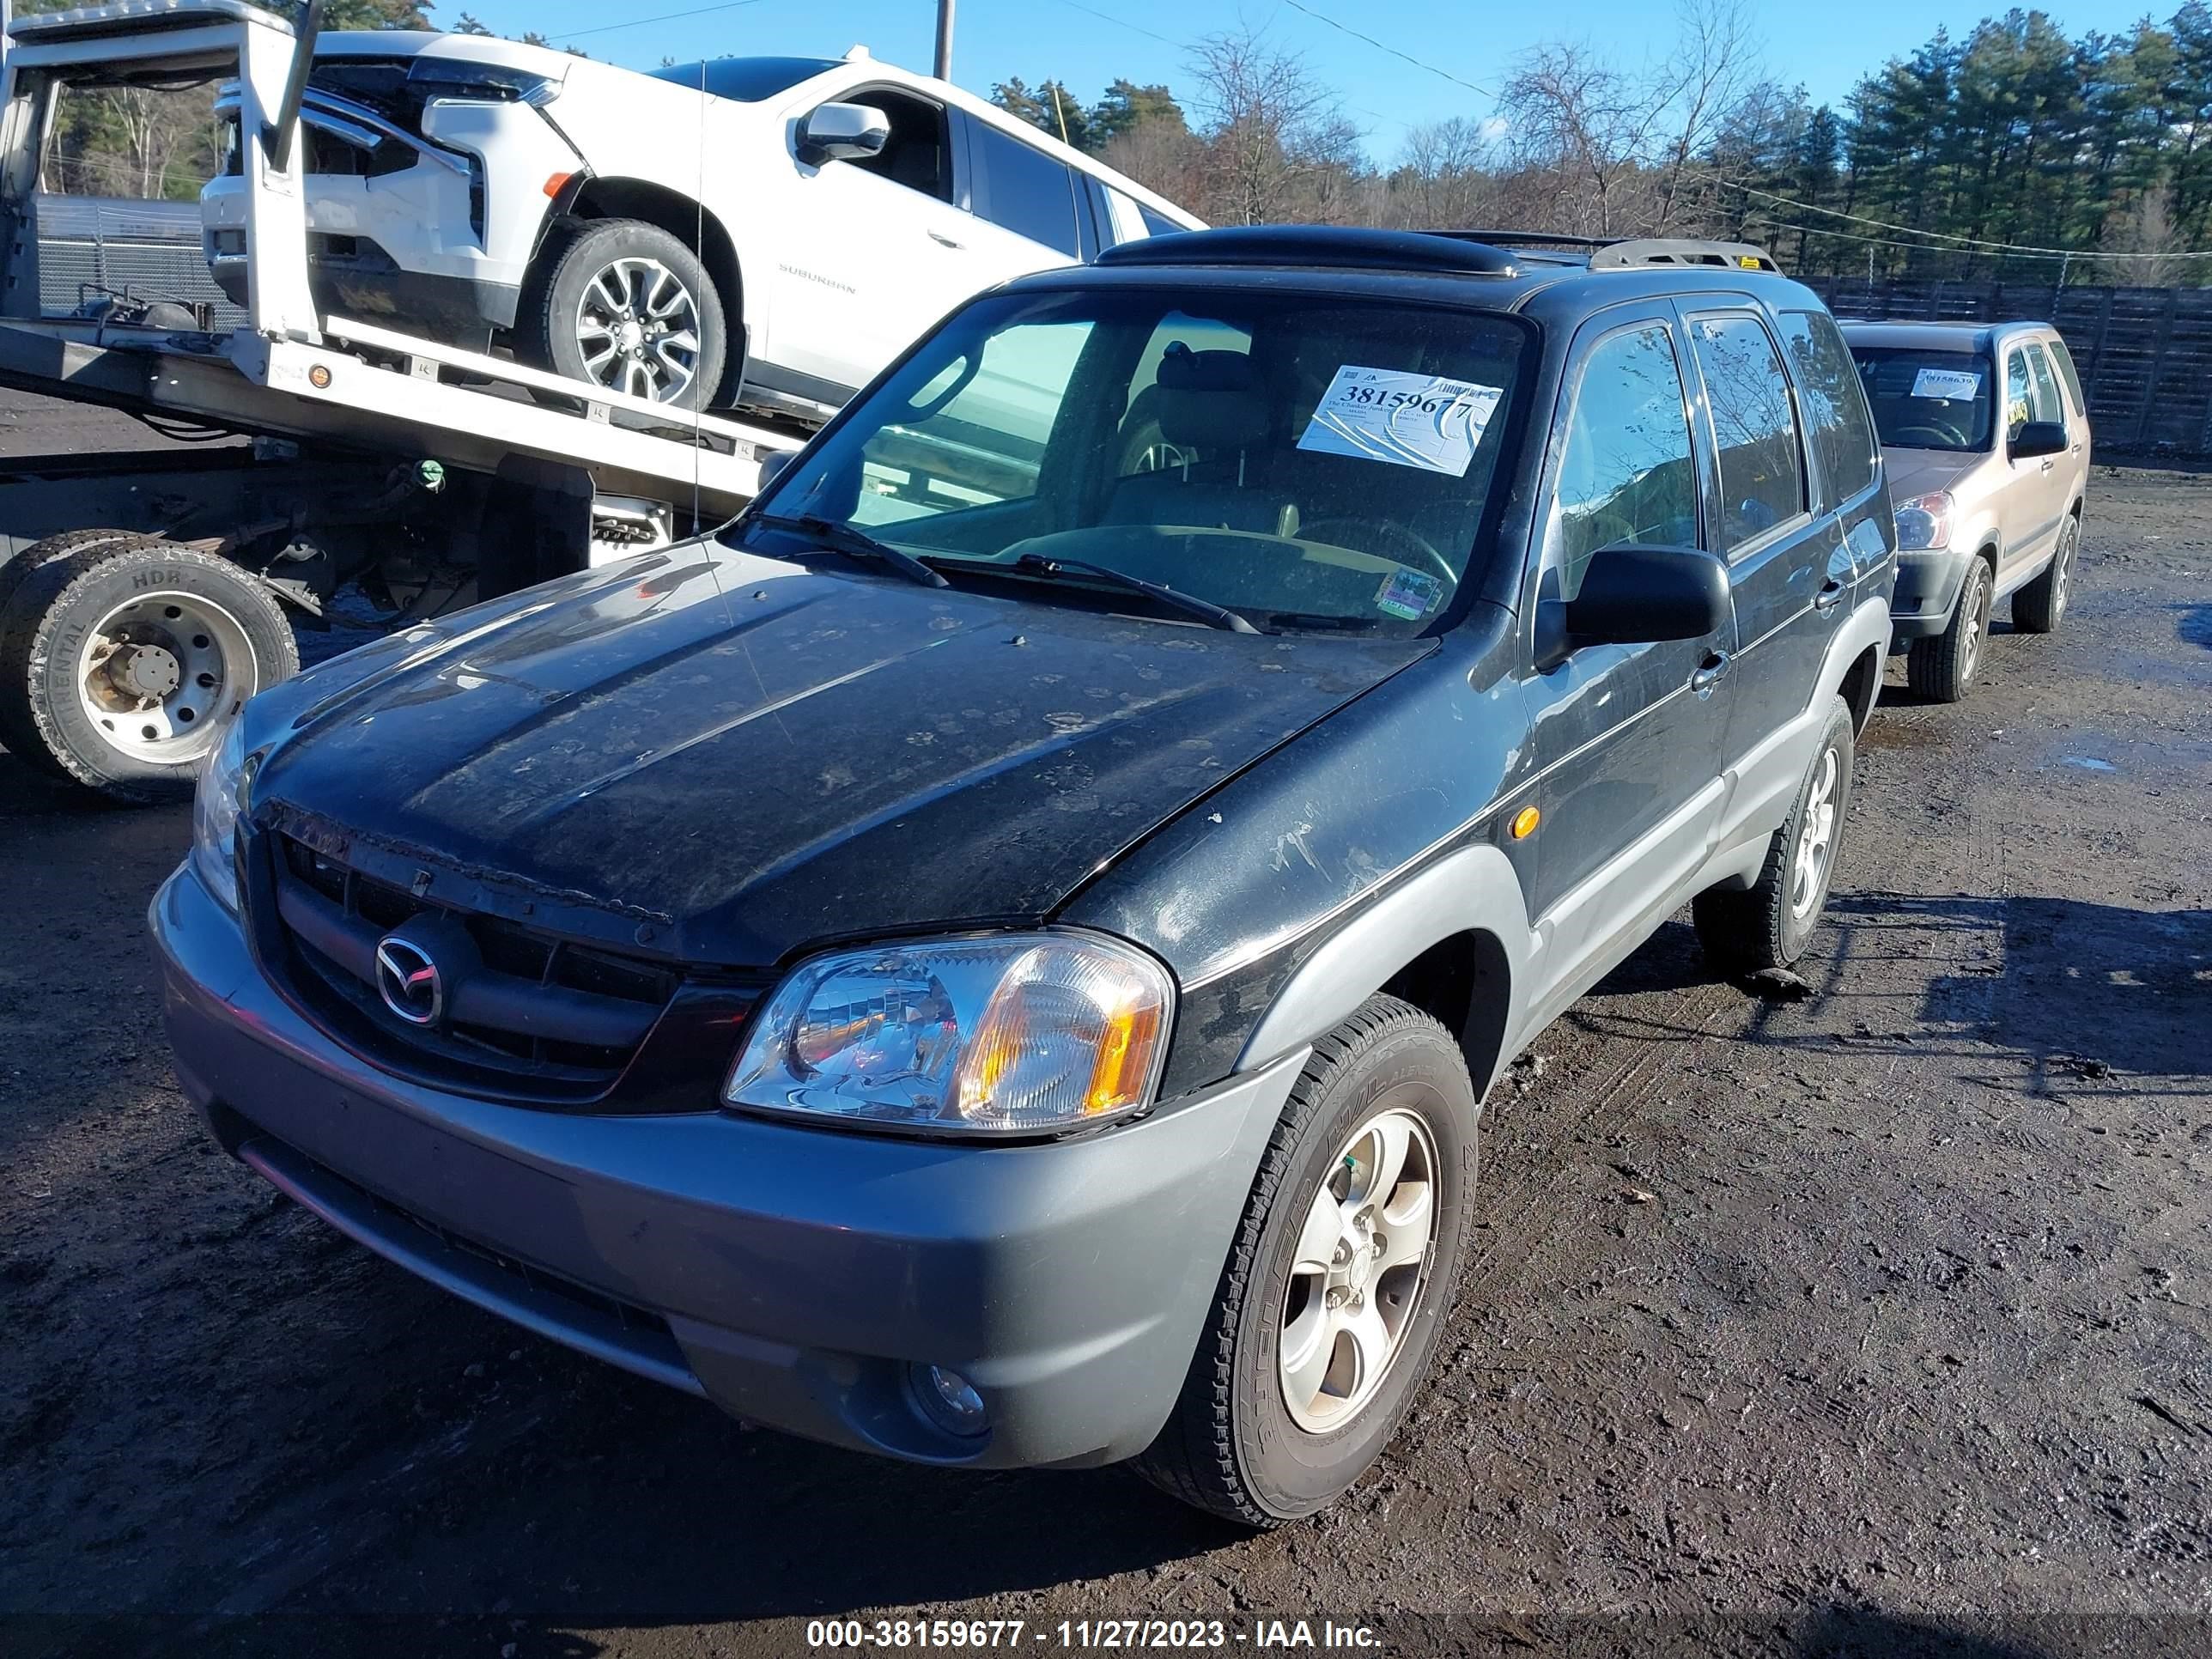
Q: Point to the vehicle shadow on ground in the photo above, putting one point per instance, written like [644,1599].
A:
[2195,625]
[2080,991]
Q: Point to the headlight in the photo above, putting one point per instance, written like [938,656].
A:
[1924,524]
[1007,1034]
[216,807]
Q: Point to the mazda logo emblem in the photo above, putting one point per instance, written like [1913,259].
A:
[409,981]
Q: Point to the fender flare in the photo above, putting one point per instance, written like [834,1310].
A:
[1473,890]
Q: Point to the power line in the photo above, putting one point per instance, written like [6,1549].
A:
[1121,23]
[641,22]
[1185,46]
[1968,244]
[1403,58]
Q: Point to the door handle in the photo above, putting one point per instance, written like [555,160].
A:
[943,241]
[1829,596]
[1711,671]
[2048,463]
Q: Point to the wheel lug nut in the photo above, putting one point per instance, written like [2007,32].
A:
[1380,1242]
[1343,1254]
[1336,1297]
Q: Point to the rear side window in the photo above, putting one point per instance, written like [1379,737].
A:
[2019,409]
[2064,359]
[1837,424]
[2043,399]
[1762,478]
[1625,473]
[1158,223]
[1029,193]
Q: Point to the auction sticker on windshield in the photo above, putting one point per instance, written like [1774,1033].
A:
[1426,421]
[1953,384]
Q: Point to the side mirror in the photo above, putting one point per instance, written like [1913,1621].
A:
[842,132]
[1635,595]
[2039,438]
[772,466]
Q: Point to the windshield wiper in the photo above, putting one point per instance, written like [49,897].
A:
[1217,615]
[839,537]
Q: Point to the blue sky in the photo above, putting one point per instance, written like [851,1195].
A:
[1825,47]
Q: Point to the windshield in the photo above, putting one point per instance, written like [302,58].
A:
[747,80]
[1926,399]
[1307,462]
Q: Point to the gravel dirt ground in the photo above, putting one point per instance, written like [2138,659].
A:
[1878,1321]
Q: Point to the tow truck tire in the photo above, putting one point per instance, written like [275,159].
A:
[601,288]
[18,734]
[120,661]
[18,569]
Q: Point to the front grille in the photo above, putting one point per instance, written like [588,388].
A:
[526,1014]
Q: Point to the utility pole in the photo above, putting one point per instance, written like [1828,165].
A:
[944,39]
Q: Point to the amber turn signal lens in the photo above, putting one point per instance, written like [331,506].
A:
[1525,822]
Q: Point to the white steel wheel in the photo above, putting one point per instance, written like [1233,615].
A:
[120,661]
[159,675]
[637,329]
[1361,1266]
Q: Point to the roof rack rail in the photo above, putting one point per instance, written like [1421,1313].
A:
[1341,245]
[1519,238]
[1680,251]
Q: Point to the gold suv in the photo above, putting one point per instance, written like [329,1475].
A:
[1985,439]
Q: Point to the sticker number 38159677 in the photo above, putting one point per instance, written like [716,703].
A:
[1430,422]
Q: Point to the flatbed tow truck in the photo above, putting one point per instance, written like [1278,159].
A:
[145,595]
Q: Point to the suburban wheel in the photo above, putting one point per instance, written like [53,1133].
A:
[1338,1284]
[2041,606]
[1941,667]
[1770,925]
[119,663]
[627,306]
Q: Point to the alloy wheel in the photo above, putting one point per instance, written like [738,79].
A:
[1970,640]
[1361,1267]
[1816,838]
[637,327]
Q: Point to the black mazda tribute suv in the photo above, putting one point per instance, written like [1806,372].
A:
[996,957]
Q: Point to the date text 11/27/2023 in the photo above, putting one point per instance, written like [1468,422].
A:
[1087,1634]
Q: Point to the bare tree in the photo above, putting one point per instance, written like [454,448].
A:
[1631,151]
[1266,123]
[1441,181]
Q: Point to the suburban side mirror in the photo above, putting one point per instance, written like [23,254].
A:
[1636,595]
[2039,438]
[842,132]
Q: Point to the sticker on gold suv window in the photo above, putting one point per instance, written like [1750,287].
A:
[1955,385]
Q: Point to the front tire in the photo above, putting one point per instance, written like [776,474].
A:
[121,662]
[1338,1281]
[1940,668]
[2041,606]
[1769,925]
[623,306]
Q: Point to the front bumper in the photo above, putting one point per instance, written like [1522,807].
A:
[791,1275]
[1928,586]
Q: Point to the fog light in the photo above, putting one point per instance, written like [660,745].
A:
[948,1400]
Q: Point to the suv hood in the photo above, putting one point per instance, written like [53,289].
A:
[813,757]
[1915,472]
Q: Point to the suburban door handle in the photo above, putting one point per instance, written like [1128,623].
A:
[1830,596]
[2048,463]
[943,241]
[1711,672]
